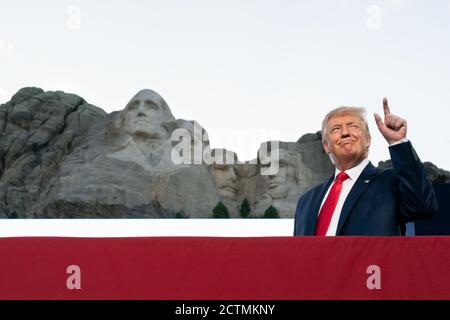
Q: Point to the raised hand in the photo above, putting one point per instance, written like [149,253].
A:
[393,128]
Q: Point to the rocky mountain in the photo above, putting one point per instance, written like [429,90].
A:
[61,157]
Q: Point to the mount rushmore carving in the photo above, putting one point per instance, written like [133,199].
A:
[61,157]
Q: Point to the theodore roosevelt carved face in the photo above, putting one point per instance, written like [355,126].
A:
[225,174]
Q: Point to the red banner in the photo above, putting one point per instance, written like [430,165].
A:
[192,268]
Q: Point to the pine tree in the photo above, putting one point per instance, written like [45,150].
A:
[13,216]
[221,211]
[181,215]
[271,213]
[245,209]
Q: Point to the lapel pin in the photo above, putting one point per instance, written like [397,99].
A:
[366,181]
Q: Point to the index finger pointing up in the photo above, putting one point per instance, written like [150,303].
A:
[386,107]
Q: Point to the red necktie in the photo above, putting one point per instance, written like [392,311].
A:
[323,222]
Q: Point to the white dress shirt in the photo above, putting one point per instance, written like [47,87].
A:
[347,185]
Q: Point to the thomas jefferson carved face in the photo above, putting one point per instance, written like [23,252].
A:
[144,115]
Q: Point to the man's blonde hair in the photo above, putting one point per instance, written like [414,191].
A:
[354,111]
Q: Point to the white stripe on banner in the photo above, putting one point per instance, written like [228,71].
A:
[146,227]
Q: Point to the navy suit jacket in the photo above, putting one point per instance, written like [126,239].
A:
[380,202]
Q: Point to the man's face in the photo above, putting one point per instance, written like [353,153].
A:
[144,116]
[284,180]
[225,177]
[345,140]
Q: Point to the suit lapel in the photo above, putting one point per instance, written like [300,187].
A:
[317,201]
[356,192]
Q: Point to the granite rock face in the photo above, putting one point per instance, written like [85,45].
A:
[37,131]
[435,174]
[301,166]
[61,157]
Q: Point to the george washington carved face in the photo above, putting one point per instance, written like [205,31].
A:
[144,115]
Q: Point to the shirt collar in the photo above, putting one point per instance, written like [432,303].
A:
[354,172]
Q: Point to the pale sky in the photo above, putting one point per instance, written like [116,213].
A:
[247,71]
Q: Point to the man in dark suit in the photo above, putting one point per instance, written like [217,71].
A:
[359,199]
